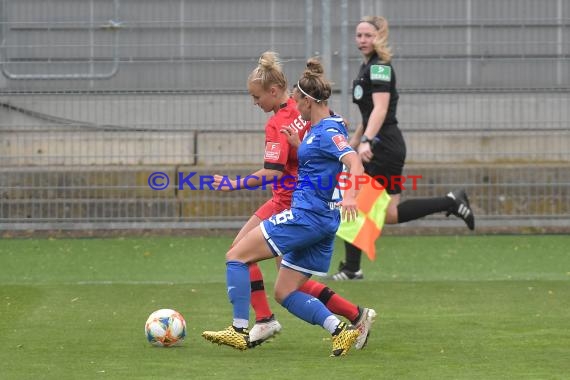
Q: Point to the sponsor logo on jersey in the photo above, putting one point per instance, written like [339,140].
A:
[381,72]
[298,123]
[310,139]
[272,151]
[340,142]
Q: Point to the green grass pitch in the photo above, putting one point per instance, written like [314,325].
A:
[481,307]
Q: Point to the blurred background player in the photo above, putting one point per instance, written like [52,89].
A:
[268,87]
[380,143]
[303,235]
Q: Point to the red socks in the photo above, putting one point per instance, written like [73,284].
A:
[335,303]
[332,301]
[258,297]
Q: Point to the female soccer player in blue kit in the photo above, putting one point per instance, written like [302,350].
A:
[303,235]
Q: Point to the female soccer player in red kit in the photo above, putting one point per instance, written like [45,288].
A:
[267,86]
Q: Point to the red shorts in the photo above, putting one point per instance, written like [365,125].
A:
[271,207]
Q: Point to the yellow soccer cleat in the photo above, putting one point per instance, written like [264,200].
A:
[230,336]
[343,339]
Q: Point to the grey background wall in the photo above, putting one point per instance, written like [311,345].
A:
[125,87]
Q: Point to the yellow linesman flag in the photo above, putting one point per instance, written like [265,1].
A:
[372,202]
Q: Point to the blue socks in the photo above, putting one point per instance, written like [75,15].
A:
[239,288]
[306,307]
[302,305]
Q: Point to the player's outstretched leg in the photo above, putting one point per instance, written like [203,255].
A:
[311,310]
[361,318]
[239,293]
[461,209]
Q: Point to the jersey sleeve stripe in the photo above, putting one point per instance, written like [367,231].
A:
[274,166]
[344,154]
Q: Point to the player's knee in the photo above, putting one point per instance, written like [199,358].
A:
[231,255]
[279,295]
[391,216]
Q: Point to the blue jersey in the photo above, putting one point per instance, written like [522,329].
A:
[305,235]
[319,156]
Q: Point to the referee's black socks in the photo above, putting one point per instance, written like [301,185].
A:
[418,208]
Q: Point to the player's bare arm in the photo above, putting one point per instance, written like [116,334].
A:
[381,101]
[348,203]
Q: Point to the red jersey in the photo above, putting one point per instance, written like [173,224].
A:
[279,155]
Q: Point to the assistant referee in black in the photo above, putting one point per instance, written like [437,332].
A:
[379,141]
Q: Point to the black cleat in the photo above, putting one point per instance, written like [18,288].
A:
[344,274]
[462,209]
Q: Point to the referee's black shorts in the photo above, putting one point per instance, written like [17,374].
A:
[387,167]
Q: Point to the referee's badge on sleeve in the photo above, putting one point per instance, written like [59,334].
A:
[380,73]
[272,151]
[340,142]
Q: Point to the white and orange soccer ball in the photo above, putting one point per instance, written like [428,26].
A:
[165,328]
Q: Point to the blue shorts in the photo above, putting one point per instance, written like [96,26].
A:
[305,239]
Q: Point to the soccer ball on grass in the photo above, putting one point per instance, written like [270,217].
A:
[165,328]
